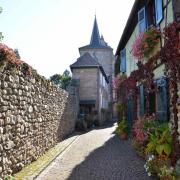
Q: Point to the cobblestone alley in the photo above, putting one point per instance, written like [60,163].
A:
[97,155]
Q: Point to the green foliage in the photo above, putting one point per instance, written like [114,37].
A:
[157,147]
[89,118]
[122,127]
[81,125]
[167,173]
[160,141]
[61,80]
[86,121]
[120,107]
[8,177]
[1,36]
[150,124]
[56,79]
[154,164]
[139,148]
[149,41]
[65,79]
[151,165]
[26,69]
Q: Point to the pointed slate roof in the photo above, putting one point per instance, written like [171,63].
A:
[95,37]
[87,61]
[95,41]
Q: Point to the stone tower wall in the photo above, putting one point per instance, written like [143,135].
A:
[106,58]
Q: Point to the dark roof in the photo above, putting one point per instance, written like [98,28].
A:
[87,61]
[95,41]
[130,25]
[95,37]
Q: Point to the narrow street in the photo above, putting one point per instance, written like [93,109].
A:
[97,155]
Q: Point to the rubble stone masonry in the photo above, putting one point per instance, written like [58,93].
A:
[34,116]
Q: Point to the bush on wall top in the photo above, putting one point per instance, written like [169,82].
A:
[9,60]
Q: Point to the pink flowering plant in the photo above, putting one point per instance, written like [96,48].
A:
[145,43]
[136,47]
[7,53]
[152,139]
[150,124]
[150,40]
[117,80]
[139,135]
[9,59]
[142,129]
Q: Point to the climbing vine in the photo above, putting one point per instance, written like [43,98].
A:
[169,55]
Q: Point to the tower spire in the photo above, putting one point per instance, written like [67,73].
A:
[95,37]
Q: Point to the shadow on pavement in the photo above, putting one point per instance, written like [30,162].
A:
[115,160]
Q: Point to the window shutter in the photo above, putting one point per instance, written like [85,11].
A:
[142,20]
[123,61]
[162,101]
[141,88]
[159,11]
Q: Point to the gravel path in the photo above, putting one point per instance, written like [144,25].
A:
[97,155]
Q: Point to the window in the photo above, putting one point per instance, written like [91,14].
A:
[150,12]
[141,100]
[123,61]
[162,100]
[152,102]
[142,20]
[177,10]
[159,11]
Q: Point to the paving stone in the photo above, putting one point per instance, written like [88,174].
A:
[97,155]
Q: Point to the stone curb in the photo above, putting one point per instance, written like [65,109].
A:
[34,174]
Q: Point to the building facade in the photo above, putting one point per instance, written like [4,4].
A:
[95,69]
[151,74]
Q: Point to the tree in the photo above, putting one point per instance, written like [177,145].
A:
[65,79]
[1,36]
[62,80]
[56,79]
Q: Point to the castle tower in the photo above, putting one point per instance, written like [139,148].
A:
[102,53]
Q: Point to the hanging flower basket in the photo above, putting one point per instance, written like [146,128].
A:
[136,48]
[145,43]
[149,41]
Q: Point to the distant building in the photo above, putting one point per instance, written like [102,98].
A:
[94,69]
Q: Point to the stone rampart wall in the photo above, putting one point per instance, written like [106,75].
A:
[34,115]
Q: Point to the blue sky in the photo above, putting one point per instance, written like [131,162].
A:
[49,32]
